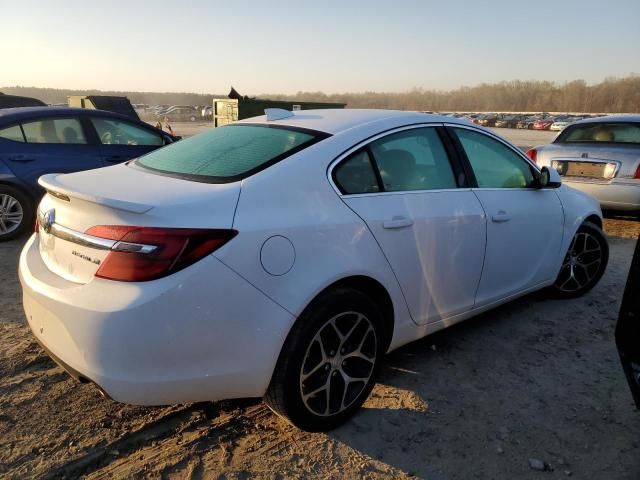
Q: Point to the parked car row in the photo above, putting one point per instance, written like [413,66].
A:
[540,121]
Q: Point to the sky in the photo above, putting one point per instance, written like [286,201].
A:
[285,46]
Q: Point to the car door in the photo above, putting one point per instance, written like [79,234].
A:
[122,140]
[404,186]
[524,223]
[52,145]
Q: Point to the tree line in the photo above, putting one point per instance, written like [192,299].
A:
[620,95]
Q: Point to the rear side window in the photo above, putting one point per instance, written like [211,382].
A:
[356,175]
[229,153]
[494,164]
[12,133]
[117,132]
[58,130]
[413,160]
[601,132]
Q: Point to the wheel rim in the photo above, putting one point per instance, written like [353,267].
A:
[338,364]
[581,264]
[11,214]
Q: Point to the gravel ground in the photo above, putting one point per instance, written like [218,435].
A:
[533,384]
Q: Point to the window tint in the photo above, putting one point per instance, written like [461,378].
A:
[356,174]
[12,133]
[118,132]
[601,132]
[413,160]
[58,130]
[495,165]
[229,152]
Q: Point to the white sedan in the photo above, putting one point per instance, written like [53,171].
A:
[282,256]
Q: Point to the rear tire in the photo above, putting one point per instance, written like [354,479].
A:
[329,361]
[584,263]
[16,212]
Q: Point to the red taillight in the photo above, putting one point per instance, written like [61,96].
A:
[533,154]
[148,253]
[637,174]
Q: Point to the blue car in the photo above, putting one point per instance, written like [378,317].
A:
[39,140]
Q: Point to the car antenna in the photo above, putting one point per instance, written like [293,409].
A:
[277,113]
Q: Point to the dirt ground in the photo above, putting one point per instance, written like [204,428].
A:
[535,379]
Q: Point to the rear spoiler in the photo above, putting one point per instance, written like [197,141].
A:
[55,187]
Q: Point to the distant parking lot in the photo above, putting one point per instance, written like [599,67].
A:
[523,138]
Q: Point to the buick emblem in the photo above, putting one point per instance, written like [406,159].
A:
[48,219]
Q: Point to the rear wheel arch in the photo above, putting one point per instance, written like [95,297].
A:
[371,288]
[595,219]
[376,292]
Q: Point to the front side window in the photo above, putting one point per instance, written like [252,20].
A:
[356,174]
[494,164]
[54,130]
[413,160]
[118,132]
[12,133]
[601,132]
[229,153]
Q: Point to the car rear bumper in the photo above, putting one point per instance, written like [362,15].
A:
[616,194]
[201,334]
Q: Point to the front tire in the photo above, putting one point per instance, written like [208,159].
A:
[329,361]
[584,263]
[16,212]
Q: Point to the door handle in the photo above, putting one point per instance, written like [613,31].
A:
[501,216]
[397,222]
[116,158]
[20,158]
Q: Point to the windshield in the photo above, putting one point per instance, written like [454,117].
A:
[229,153]
[601,132]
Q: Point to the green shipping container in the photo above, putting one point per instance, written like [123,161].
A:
[227,110]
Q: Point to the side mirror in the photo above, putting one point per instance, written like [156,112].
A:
[549,178]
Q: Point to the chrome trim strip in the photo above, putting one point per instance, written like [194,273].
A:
[83,239]
[98,243]
[133,247]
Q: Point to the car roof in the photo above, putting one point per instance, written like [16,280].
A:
[610,118]
[23,113]
[334,121]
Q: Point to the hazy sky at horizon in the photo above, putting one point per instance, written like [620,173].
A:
[283,46]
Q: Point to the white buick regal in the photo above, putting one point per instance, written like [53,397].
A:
[282,256]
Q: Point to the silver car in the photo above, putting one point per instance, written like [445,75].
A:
[599,156]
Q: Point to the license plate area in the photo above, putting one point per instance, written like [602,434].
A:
[599,170]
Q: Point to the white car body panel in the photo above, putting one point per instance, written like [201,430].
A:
[215,329]
[130,338]
[451,218]
[524,235]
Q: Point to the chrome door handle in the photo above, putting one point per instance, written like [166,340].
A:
[20,158]
[397,222]
[501,216]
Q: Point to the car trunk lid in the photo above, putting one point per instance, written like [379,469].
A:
[120,195]
[588,160]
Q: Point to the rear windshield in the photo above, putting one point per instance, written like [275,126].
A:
[601,132]
[229,153]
